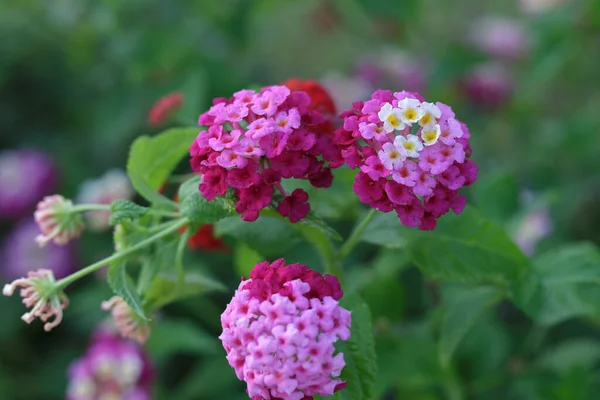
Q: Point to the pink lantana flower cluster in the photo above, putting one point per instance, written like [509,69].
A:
[412,155]
[279,331]
[256,139]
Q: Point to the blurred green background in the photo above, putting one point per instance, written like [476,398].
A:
[78,78]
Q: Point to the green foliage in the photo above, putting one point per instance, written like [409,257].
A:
[359,351]
[460,315]
[199,210]
[122,285]
[153,159]
[123,210]
[563,283]
[166,287]
[463,248]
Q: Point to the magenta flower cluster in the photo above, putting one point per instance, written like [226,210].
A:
[256,139]
[279,330]
[112,368]
[413,156]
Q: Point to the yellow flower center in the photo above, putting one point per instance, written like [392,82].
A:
[409,146]
[410,114]
[394,155]
[393,120]
[426,119]
[429,136]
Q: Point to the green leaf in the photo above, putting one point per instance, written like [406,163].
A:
[123,210]
[199,210]
[569,354]
[463,248]
[497,195]
[461,314]
[563,283]
[181,336]
[359,351]
[312,220]
[268,236]
[165,287]
[245,259]
[152,159]
[194,96]
[123,286]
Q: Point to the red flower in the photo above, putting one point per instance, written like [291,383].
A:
[320,99]
[164,107]
[205,239]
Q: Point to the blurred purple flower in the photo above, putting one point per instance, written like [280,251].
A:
[535,226]
[111,368]
[25,177]
[488,85]
[392,68]
[20,253]
[500,37]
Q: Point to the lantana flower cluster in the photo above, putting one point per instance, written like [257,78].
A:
[279,332]
[256,139]
[413,156]
[112,368]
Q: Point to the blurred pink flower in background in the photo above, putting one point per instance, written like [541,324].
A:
[20,254]
[488,85]
[535,225]
[25,177]
[111,186]
[500,37]
[392,68]
[111,368]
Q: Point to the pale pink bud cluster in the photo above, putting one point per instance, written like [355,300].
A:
[129,324]
[57,221]
[279,332]
[39,293]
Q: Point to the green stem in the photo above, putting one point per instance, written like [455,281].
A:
[179,257]
[61,284]
[355,236]
[90,207]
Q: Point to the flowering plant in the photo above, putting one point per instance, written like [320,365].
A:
[267,168]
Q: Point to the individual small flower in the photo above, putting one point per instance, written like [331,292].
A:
[420,167]
[274,135]
[57,221]
[129,324]
[279,332]
[409,146]
[410,110]
[111,186]
[162,110]
[111,368]
[25,177]
[487,85]
[39,293]
[20,254]
[430,134]
[391,117]
[500,37]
